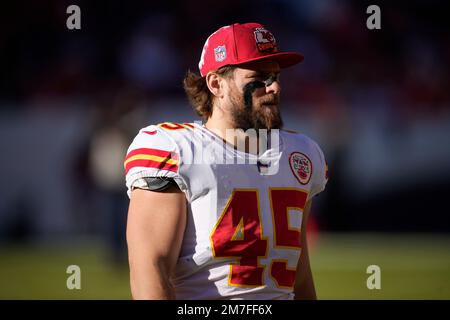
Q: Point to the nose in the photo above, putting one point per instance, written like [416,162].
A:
[273,87]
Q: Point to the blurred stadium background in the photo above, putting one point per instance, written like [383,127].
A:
[378,102]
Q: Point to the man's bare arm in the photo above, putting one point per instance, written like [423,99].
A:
[304,284]
[155,229]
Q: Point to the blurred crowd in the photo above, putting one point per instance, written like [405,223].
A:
[377,101]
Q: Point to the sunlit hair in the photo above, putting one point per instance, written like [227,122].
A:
[198,92]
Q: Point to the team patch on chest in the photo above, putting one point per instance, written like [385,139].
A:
[301,167]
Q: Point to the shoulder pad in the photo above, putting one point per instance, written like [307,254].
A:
[151,149]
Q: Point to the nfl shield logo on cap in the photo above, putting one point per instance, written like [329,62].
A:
[220,53]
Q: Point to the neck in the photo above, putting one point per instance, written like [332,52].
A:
[249,141]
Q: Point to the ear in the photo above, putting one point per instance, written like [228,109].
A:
[215,84]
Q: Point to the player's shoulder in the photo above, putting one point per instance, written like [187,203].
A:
[163,134]
[153,153]
[178,132]
[162,138]
[298,138]
[301,142]
[299,145]
[150,148]
[151,136]
[176,127]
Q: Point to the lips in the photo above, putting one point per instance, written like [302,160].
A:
[269,104]
[272,102]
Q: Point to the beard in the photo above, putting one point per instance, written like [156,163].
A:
[264,113]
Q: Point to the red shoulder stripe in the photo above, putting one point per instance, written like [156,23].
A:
[150,164]
[153,152]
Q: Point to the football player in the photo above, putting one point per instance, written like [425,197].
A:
[218,208]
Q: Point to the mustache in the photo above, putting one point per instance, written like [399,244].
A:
[271,99]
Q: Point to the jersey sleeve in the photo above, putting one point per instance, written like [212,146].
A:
[320,176]
[152,154]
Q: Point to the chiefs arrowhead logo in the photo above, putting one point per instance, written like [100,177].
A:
[301,167]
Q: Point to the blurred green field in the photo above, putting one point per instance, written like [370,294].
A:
[412,267]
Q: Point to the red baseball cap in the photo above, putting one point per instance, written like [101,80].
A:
[240,43]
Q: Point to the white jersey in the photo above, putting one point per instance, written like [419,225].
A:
[242,238]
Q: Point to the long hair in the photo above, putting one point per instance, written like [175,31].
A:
[198,92]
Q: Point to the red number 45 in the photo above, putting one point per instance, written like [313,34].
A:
[239,234]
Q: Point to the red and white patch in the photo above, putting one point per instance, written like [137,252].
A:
[301,167]
[265,41]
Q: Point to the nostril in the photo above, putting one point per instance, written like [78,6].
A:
[273,88]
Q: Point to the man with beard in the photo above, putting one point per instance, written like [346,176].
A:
[218,210]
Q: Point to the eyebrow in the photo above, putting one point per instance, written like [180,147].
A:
[262,73]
